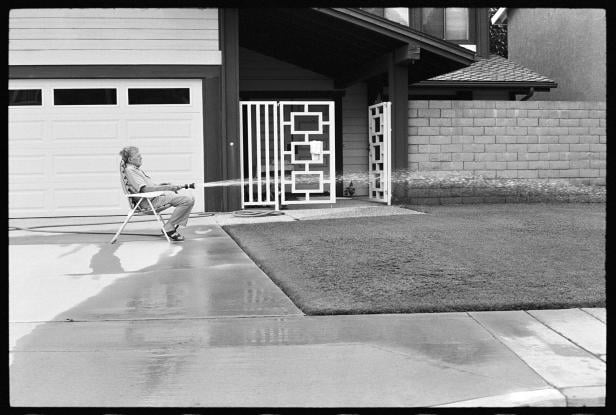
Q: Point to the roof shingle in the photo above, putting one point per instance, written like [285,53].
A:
[493,69]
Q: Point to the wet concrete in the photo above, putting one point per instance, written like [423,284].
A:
[146,323]
[559,361]
[188,293]
[377,360]
[205,276]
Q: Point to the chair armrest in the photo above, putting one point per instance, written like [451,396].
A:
[147,195]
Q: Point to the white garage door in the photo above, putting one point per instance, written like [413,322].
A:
[65,135]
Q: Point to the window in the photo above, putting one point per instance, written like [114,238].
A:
[379,11]
[450,23]
[25,97]
[395,14]
[456,23]
[432,21]
[398,14]
[158,96]
[93,96]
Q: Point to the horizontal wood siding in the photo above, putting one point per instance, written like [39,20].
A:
[259,72]
[114,37]
[355,138]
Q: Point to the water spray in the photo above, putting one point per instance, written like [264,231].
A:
[223,183]
[428,179]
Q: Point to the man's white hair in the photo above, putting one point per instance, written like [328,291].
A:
[127,152]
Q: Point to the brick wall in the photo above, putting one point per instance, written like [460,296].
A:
[474,151]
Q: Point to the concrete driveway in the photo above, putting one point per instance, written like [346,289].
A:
[198,324]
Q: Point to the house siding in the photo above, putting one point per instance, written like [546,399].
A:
[499,151]
[114,37]
[259,72]
[355,138]
[572,50]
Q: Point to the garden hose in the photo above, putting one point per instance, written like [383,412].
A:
[41,228]
[256,213]
[38,228]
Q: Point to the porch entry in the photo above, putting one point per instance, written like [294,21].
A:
[379,156]
[287,150]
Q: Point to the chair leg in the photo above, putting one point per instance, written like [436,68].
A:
[160,220]
[130,215]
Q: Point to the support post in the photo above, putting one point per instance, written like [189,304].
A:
[230,106]
[397,81]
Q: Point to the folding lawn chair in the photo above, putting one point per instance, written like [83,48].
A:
[135,201]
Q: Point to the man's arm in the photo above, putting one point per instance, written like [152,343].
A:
[159,188]
[143,185]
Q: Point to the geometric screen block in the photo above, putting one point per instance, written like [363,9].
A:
[306,123]
[309,182]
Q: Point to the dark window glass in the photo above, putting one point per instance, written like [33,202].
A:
[379,11]
[432,19]
[24,97]
[398,15]
[149,96]
[98,96]
[456,23]
[446,23]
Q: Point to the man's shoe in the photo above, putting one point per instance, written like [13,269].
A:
[175,229]
[174,236]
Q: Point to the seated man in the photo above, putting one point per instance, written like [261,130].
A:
[140,182]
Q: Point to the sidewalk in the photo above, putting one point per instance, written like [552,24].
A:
[145,323]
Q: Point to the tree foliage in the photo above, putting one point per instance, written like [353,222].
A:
[498,36]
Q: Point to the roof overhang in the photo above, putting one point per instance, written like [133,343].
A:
[539,86]
[402,33]
[347,45]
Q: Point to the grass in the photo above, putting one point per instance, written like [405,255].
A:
[453,258]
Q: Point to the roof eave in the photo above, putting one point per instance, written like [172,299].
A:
[404,34]
[487,84]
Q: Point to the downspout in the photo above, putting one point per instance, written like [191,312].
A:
[531,92]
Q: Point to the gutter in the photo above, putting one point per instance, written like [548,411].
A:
[531,92]
[486,84]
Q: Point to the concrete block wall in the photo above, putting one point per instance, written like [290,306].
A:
[535,147]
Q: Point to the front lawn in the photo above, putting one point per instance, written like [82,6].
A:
[453,258]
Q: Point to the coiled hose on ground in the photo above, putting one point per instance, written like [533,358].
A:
[256,213]
[40,228]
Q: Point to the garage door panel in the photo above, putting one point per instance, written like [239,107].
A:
[95,113]
[163,164]
[159,129]
[84,198]
[26,132]
[27,200]
[80,165]
[33,167]
[85,130]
